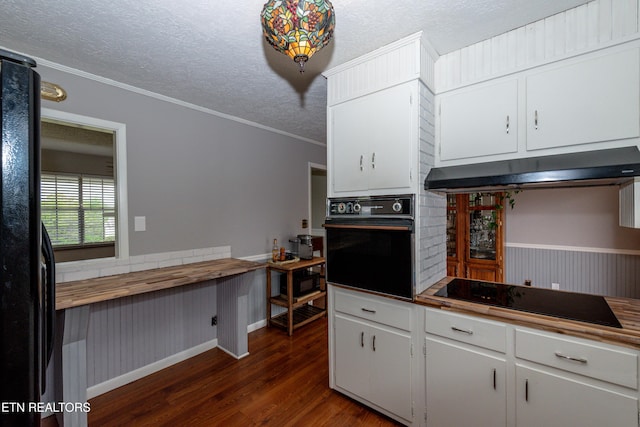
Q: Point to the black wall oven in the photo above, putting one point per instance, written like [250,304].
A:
[370,244]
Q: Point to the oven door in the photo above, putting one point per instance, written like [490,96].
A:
[375,256]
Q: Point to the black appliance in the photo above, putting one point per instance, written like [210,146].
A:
[27,300]
[370,244]
[601,167]
[567,305]
[304,282]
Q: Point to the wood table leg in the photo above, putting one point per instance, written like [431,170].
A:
[290,301]
[268,296]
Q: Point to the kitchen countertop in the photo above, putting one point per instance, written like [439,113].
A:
[627,310]
[89,291]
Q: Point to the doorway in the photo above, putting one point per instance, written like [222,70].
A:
[317,200]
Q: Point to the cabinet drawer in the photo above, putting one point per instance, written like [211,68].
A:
[471,330]
[374,308]
[606,363]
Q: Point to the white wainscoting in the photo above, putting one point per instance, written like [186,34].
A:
[589,271]
[595,25]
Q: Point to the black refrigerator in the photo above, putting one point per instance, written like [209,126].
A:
[27,276]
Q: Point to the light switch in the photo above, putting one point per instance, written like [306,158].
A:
[140,223]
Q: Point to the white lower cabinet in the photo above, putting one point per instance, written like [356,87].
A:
[564,381]
[466,382]
[465,387]
[485,373]
[370,363]
[372,360]
[552,400]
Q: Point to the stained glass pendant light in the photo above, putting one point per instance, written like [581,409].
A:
[298,28]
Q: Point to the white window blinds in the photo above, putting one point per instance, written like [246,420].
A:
[78,210]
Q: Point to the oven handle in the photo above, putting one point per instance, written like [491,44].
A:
[370,227]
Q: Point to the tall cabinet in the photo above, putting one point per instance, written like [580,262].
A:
[380,141]
[475,236]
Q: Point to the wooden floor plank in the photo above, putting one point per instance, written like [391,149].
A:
[283,382]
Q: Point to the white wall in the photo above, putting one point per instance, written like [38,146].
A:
[577,217]
[200,179]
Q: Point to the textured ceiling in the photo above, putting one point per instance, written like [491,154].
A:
[211,53]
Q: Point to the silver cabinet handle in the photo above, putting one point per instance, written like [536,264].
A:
[507,124]
[573,359]
[361,162]
[361,339]
[373,343]
[464,331]
[373,161]
[535,120]
[366,310]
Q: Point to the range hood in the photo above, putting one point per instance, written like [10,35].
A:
[614,166]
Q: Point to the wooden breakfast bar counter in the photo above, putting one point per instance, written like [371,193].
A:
[73,301]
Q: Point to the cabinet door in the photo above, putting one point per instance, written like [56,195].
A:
[479,122]
[371,140]
[352,353]
[546,399]
[391,371]
[590,101]
[464,387]
[391,125]
[349,143]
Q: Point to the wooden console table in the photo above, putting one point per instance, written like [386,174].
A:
[73,301]
[299,311]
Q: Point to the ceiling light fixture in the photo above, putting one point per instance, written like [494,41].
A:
[298,28]
[52,92]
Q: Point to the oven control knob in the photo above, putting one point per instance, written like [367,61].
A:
[397,206]
[357,208]
[342,208]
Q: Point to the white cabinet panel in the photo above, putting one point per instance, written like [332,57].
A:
[481,121]
[391,125]
[372,361]
[351,354]
[545,399]
[467,329]
[391,371]
[616,366]
[464,387]
[378,310]
[349,146]
[590,101]
[372,140]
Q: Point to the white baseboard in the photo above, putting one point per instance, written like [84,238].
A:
[136,374]
[149,369]
[255,326]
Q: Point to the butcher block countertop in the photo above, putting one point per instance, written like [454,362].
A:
[627,310]
[89,291]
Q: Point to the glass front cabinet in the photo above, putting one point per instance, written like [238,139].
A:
[475,242]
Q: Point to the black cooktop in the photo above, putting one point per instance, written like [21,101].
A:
[567,305]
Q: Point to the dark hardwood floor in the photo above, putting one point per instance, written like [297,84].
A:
[283,382]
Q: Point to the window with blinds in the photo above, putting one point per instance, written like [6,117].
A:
[78,210]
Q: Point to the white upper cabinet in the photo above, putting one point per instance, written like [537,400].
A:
[373,140]
[376,106]
[480,121]
[589,101]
